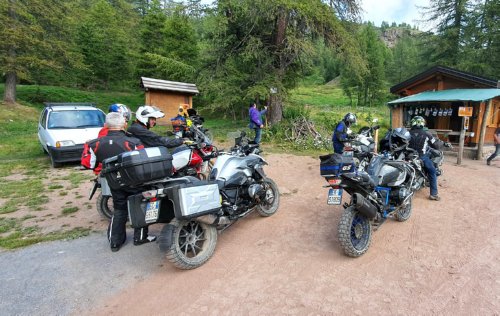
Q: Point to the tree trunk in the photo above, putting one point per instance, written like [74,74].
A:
[10,87]
[9,95]
[275,111]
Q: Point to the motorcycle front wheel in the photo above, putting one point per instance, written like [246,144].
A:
[404,212]
[189,244]
[104,204]
[269,205]
[355,232]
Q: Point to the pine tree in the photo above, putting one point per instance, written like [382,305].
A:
[32,36]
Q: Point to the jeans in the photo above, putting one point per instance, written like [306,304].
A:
[496,153]
[431,173]
[258,135]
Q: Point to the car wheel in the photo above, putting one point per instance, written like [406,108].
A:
[54,163]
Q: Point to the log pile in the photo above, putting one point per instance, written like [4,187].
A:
[302,130]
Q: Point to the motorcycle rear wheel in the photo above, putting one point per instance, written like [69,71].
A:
[355,232]
[272,200]
[104,204]
[189,244]
[405,212]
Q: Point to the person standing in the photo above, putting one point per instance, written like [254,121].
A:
[256,121]
[114,143]
[421,140]
[496,138]
[340,134]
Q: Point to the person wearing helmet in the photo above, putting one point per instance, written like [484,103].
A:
[115,108]
[114,143]
[340,134]
[421,140]
[145,119]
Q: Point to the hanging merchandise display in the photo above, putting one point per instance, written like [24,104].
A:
[427,111]
[434,111]
[410,111]
[450,111]
[440,112]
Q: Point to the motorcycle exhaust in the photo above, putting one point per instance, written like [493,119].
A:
[364,206]
[211,219]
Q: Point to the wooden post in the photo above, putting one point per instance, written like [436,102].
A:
[484,123]
[461,142]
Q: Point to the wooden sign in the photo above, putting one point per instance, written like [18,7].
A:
[465,111]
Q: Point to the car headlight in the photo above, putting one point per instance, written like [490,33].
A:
[64,143]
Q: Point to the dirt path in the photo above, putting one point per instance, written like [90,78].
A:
[443,260]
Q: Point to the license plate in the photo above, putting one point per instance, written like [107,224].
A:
[347,153]
[152,211]
[334,197]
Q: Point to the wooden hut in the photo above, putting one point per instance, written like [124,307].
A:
[168,96]
[438,94]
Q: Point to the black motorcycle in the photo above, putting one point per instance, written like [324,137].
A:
[383,191]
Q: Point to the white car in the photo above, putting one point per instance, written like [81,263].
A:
[63,128]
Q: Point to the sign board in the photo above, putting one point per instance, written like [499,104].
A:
[465,111]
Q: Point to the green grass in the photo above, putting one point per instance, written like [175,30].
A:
[30,236]
[77,177]
[70,210]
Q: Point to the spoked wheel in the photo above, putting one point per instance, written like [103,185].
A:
[189,244]
[104,205]
[355,232]
[405,211]
[269,205]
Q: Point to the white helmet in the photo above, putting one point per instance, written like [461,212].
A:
[143,113]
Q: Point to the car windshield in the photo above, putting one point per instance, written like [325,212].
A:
[76,119]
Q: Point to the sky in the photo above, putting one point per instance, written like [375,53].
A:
[390,11]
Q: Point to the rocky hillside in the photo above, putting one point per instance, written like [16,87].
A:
[390,36]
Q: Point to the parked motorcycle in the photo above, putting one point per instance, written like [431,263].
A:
[196,210]
[362,145]
[193,159]
[383,191]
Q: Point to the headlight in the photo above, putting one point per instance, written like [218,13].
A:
[64,143]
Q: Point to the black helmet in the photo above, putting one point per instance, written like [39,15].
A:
[401,135]
[350,119]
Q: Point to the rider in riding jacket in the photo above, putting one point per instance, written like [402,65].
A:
[114,143]
[145,119]
[340,134]
[421,140]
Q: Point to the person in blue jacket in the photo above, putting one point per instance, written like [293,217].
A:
[340,134]
[256,121]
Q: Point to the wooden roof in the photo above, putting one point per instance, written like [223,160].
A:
[157,84]
[450,72]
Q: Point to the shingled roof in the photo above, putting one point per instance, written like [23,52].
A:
[157,84]
[485,82]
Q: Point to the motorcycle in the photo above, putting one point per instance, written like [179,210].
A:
[362,145]
[383,191]
[193,159]
[196,210]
